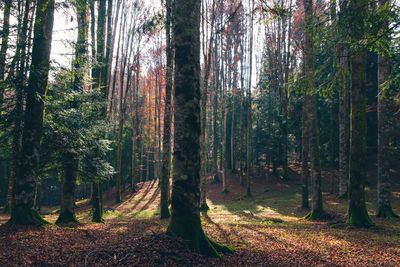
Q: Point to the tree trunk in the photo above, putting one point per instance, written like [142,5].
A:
[185,221]
[23,207]
[67,210]
[317,211]
[166,171]
[71,160]
[4,44]
[305,137]
[343,69]
[384,209]
[358,214]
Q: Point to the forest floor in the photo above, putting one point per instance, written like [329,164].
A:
[266,229]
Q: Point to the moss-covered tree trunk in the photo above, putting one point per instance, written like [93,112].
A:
[97,208]
[98,50]
[166,160]
[67,210]
[385,104]
[185,219]
[317,211]
[71,158]
[342,67]
[343,123]
[18,77]
[305,147]
[24,190]
[357,213]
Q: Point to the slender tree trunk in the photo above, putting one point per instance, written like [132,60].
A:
[23,207]
[166,171]
[343,69]
[249,148]
[384,209]
[305,137]
[317,211]
[223,143]
[4,44]
[98,54]
[204,100]
[71,159]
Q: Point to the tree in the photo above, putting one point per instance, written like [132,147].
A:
[166,171]
[185,220]
[343,69]
[317,211]
[357,213]
[25,185]
[70,159]
[4,43]
[384,209]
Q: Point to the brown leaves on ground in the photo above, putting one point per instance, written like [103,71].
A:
[265,230]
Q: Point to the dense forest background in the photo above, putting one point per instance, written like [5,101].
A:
[291,106]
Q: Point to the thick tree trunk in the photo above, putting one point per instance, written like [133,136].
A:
[384,209]
[23,207]
[67,210]
[97,208]
[185,221]
[358,214]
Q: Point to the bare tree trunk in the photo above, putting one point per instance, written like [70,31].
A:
[185,221]
[317,211]
[71,160]
[23,206]
[4,43]
[358,214]
[385,104]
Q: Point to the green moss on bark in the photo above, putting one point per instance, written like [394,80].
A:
[386,212]
[189,228]
[67,217]
[26,216]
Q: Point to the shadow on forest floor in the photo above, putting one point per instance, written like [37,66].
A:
[266,229]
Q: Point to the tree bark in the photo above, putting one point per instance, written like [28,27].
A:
[384,209]
[4,43]
[166,171]
[185,221]
[23,207]
[71,159]
[317,211]
[357,213]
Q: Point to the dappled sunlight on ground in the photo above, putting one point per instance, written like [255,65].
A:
[267,228]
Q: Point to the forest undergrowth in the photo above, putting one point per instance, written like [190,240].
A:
[267,229]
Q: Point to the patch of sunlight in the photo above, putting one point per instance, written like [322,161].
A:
[82,202]
[266,210]
[118,229]
[112,214]
[145,214]
[84,215]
